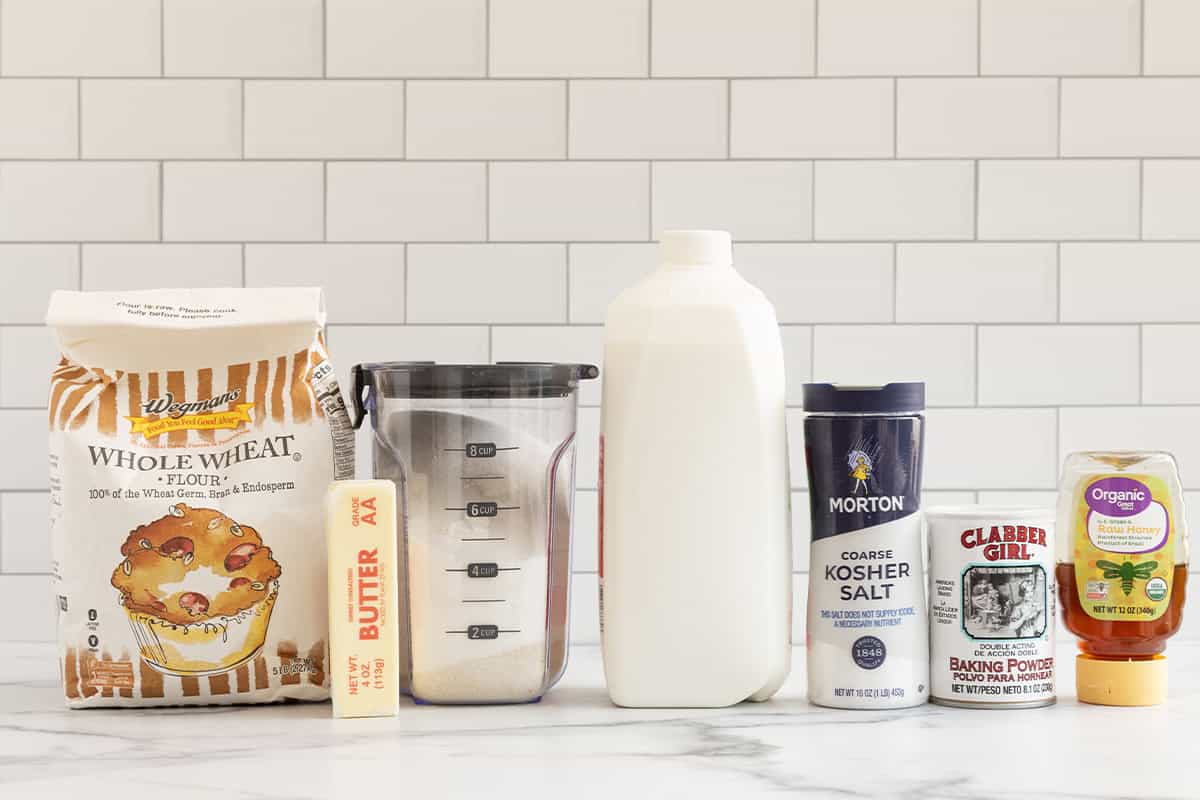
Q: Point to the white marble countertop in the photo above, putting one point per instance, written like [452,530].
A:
[575,744]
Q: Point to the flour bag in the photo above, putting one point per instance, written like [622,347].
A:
[193,433]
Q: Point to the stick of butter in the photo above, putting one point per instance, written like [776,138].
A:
[364,656]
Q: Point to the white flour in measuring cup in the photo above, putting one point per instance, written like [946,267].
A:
[439,600]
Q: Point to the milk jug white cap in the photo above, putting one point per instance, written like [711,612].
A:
[697,248]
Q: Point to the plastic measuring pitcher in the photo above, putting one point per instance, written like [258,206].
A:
[483,457]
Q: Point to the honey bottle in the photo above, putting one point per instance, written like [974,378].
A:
[1122,571]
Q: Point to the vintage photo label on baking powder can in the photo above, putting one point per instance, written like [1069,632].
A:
[991,600]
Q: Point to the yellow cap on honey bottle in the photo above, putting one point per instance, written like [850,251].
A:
[1126,682]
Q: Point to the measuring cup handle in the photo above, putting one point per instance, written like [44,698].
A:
[357,378]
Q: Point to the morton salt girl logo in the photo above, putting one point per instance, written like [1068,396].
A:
[164,415]
[860,463]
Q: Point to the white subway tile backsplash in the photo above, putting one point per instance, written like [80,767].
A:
[33,595]
[79,38]
[568,38]
[976,117]
[487,119]
[797,470]
[489,283]
[1170,199]
[765,200]
[839,118]
[1133,282]
[587,201]
[1133,428]
[797,360]
[1171,30]
[976,282]
[24,431]
[821,282]
[585,609]
[520,155]
[941,355]
[39,118]
[1060,37]
[73,201]
[364,283]
[24,544]
[577,344]
[251,201]
[155,118]
[882,37]
[599,272]
[648,119]
[1131,117]
[585,537]
[397,202]
[725,38]
[1000,448]
[1058,199]
[117,267]
[324,119]
[894,199]
[29,273]
[1166,349]
[242,38]
[1031,499]
[1048,365]
[360,344]
[406,38]
[28,354]
[587,453]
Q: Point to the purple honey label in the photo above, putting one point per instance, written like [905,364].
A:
[1118,497]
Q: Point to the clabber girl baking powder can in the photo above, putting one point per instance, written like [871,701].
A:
[991,606]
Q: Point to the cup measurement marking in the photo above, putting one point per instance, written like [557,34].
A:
[485,631]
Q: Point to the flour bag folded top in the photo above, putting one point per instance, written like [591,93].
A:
[193,433]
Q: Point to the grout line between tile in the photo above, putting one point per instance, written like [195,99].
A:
[649,38]
[1141,200]
[979,37]
[162,200]
[975,200]
[324,201]
[162,38]
[729,118]
[895,283]
[1141,365]
[242,100]
[568,280]
[79,118]
[243,248]
[324,38]
[816,61]
[1058,282]
[895,117]
[1142,37]
[487,38]
[1058,119]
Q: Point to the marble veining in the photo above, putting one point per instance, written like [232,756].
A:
[575,744]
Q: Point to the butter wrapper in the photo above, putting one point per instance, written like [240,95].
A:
[364,654]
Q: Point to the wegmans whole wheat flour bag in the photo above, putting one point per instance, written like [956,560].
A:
[192,436]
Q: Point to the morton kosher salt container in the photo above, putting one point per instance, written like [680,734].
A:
[991,598]
[868,635]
